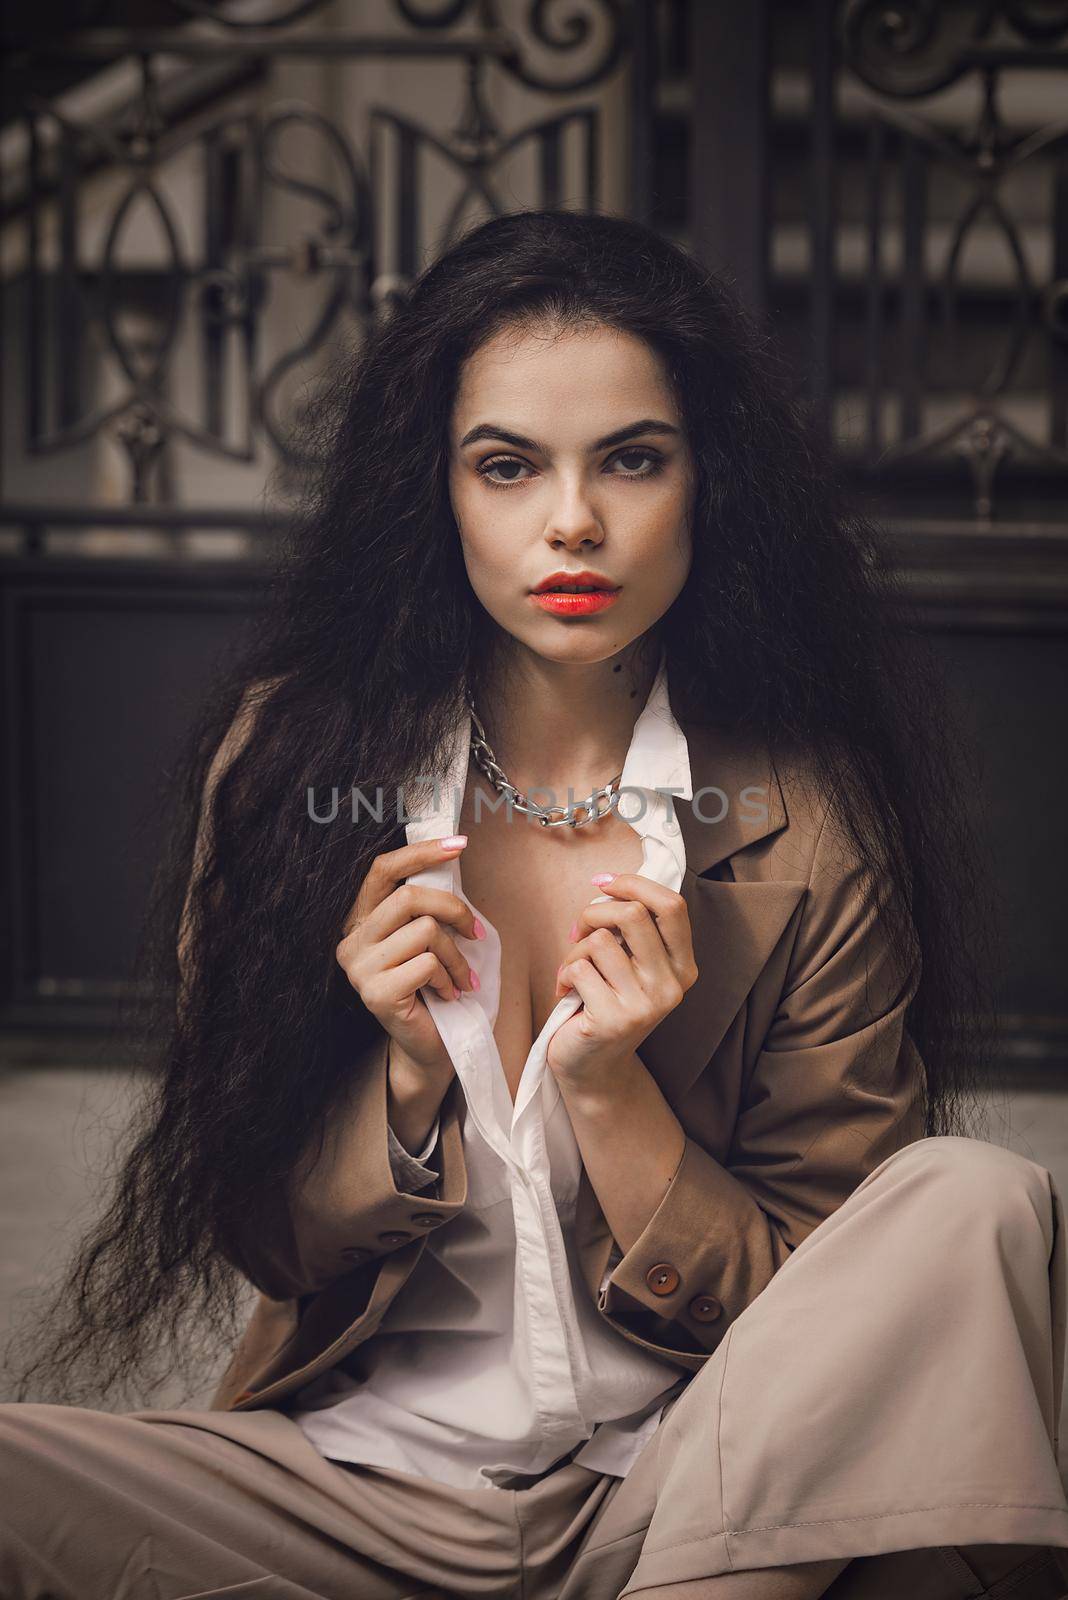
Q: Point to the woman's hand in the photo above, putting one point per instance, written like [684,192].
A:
[395,939]
[626,988]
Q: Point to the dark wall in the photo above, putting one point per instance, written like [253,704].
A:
[1009,690]
[105,668]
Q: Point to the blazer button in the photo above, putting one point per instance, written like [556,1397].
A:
[706,1308]
[425,1219]
[663,1278]
[394,1238]
[355,1252]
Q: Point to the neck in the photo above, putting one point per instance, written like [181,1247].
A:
[554,724]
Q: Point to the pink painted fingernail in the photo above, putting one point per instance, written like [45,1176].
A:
[453,842]
[475,983]
[574,931]
[602,878]
[480,932]
[455,992]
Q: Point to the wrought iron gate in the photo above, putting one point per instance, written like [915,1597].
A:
[186,232]
[205,198]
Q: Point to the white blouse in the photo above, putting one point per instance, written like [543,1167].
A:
[493,1361]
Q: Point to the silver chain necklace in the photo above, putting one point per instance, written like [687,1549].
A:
[548,816]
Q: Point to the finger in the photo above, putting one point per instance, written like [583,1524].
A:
[397,988]
[422,933]
[636,925]
[596,995]
[426,933]
[413,900]
[671,914]
[610,961]
[391,867]
[635,886]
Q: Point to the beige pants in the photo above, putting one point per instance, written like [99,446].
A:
[893,1390]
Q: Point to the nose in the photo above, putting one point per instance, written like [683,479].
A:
[573,521]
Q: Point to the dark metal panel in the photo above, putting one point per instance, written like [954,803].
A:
[873,321]
[643,75]
[1008,691]
[105,666]
[913,296]
[821,213]
[729,200]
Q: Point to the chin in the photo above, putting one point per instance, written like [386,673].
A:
[587,652]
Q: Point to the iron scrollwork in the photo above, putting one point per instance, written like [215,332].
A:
[564,28]
[912,48]
[211,288]
[906,52]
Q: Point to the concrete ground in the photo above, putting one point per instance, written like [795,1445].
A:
[58,1125]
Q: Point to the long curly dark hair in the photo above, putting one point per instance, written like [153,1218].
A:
[789,626]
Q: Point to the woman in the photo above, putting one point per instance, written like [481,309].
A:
[598,1244]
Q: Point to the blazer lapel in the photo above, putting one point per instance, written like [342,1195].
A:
[736,926]
[737,801]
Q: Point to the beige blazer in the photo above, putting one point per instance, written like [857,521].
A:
[787,1064]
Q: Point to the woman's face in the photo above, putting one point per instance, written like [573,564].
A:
[568,454]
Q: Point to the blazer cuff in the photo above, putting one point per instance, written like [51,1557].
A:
[705,1253]
[410,1171]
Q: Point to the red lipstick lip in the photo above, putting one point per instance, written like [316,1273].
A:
[575,605]
[591,580]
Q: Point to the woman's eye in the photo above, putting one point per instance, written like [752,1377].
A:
[627,459]
[495,466]
[655,462]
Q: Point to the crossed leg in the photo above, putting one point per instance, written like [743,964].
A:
[891,1397]
[183,1505]
[894,1390]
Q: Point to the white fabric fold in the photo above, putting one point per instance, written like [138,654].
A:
[493,1360]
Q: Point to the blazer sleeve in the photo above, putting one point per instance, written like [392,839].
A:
[353,1199]
[837,1086]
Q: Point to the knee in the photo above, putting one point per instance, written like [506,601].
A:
[18,1417]
[31,1429]
[983,1182]
[27,1454]
[42,1476]
[21,1414]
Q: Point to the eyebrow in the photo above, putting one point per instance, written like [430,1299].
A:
[490,430]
